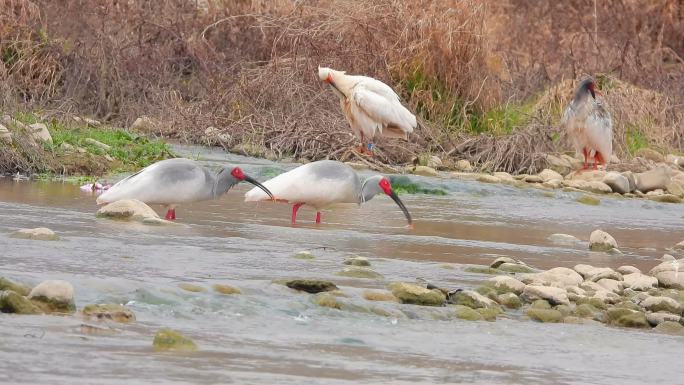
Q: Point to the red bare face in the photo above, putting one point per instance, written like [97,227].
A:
[329,79]
[385,186]
[238,174]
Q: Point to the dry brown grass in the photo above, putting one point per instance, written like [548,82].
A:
[248,67]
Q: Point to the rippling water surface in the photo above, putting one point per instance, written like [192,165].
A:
[270,334]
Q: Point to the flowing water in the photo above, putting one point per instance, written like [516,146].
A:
[273,335]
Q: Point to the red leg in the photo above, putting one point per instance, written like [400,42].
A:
[318,217]
[600,159]
[586,155]
[170,214]
[173,214]
[295,207]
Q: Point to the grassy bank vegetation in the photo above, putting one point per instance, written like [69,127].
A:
[488,79]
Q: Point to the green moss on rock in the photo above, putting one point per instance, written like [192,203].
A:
[589,200]
[585,310]
[416,295]
[357,261]
[359,272]
[466,313]
[303,255]
[310,285]
[510,300]
[327,300]
[540,304]
[191,287]
[12,302]
[6,284]
[545,315]
[489,313]
[482,270]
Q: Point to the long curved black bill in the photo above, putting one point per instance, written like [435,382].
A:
[399,203]
[259,185]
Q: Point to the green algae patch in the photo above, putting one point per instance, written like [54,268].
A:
[171,340]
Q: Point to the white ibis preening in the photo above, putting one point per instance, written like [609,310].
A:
[324,183]
[589,125]
[174,181]
[370,106]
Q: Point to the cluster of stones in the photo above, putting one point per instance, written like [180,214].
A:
[623,297]
[649,175]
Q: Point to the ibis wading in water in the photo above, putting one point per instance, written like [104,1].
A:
[322,184]
[370,106]
[589,125]
[174,181]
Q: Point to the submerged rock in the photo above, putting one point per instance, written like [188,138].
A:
[516,268]
[564,239]
[113,312]
[545,315]
[127,209]
[303,255]
[12,302]
[6,284]
[357,261]
[601,241]
[359,272]
[376,295]
[327,300]
[481,270]
[665,198]
[585,310]
[589,200]
[54,296]
[191,287]
[226,289]
[489,313]
[626,318]
[39,234]
[659,317]
[171,340]
[310,285]
[466,313]
[501,260]
[416,295]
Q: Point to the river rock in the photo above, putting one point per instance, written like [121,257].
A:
[679,247]
[6,284]
[605,296]
[377,295]
[417,295]
[617,182]
[587,176]
[5,134]
[659,317]
[110,312]
[557,277]
[303,255]
[463,165]
[665,198]
[486,178]
[631,179]
[665,304]
[553,295]
[501,260]
[54,296]
[675,188]
[472,299]
[583,269]
[435,162]
[603,272]
[670,274]
[601,241]
[327,300]
[127,209]
[545,315]
[658,178]
[466,313]
[533,179]
[627,269]
[12,302]
[560,165]
[359,272]
[676,160]
[576,290]
[39,233]
[226,289]
[504,176]
[516,268]
[650,154]
[98,144]
[357,261]
[172,340]
[489,313]
[626,318]
[670,327]
[540,304]
[548,174]
[509,300]
[144,125]
[640,282]
[612,285]
[505,284]
[564,239]
[424,171]
[585,310]
[310,285]
[40,132]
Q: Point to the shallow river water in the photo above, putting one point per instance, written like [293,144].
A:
[273,335]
